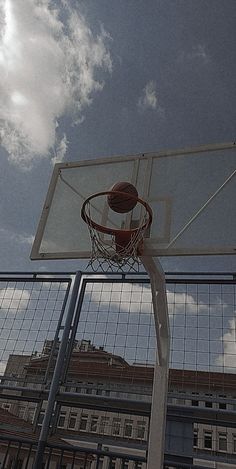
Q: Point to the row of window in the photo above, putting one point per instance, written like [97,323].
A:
[197,403]
[103,424]
[116,464]
[93,389]
[210,442]
[113,464]
[84,422]
[197,399]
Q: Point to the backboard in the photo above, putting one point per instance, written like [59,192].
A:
[191,192]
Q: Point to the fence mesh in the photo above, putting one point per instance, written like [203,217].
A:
[106,386]
[31,312]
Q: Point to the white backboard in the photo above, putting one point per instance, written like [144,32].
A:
[192,193]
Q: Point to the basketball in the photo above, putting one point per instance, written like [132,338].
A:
[122,203]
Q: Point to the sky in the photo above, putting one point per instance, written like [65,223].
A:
[119,317]
[81,80]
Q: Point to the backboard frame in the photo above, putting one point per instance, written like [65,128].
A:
[150,250]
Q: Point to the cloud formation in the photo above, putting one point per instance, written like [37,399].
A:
[179,303]
[138,298]
[14,298]
[48,69]
[228,358]
[19,238]
[2,367]
[197,52]
[148,99]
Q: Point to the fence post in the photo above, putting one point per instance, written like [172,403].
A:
[42,441]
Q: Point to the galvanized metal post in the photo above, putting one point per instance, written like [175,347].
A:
[57,375]
[156,443]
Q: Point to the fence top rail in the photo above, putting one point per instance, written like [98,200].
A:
[30,274]
[188,278]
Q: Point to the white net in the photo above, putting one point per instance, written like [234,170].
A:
[116,252]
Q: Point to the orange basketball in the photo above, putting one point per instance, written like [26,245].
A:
[122,203]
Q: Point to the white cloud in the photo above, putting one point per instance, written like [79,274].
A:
[2,367]
[178,301]
[197,52]
[138,298]
[228,358]
[20,238]
[48,69]
[60,151]
[14,298]
[148,99]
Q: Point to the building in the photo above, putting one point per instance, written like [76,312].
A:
[10,458]
[106,404]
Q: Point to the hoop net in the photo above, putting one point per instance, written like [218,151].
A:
[118,250]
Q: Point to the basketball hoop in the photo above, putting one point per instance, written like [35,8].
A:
[121,248]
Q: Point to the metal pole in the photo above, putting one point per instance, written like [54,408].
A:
[156,443]
[57,375]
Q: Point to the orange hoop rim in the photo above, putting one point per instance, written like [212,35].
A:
[114,231]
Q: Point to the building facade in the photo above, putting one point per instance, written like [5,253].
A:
[106,402]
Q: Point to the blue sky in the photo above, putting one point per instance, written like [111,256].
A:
[88,79]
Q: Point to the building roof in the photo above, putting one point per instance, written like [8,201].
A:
[17,430]
[99,364]
[13,426]
[10,423]
[203,380]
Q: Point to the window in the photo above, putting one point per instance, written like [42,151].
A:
[31,414]
[208,404]
[180,401]
[222,405]
[94,423]
[21,413]
[6,406]
[195,438]
[234,443]
[61,419]
[140,430]
[222,442]
[72,420]
[18,464]
[195,403]
[104,424]
[112,464]
[83,422]
[208,440]
[128,428]
[100,463]
[41,417]
[116,426]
